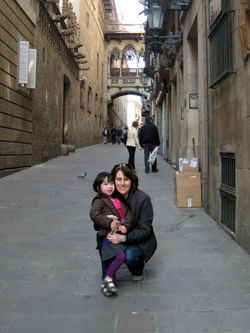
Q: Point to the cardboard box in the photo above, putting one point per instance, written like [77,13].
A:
[187,188]
[189,164]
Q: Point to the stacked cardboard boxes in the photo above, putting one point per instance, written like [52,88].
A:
[187,183]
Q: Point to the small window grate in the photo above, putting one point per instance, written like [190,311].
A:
[227,190]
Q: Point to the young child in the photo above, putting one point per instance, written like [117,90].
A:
[109,215]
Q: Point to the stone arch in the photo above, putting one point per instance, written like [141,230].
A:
[115,61]
[127,92]
[115,54]
[128,53]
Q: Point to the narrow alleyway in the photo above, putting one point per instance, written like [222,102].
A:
[50,276]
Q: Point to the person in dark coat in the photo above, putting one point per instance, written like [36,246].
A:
[140,240]
[149,139]
[118,135]
[113,135]
[105,134]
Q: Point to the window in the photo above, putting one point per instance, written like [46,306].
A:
[89,99]
[228,190]
[97,66]
[82,88]
[220,41]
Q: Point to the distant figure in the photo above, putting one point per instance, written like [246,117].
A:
[105,134]
[125,129]
[132,142]
[149,139]
[113,135]
[118,135]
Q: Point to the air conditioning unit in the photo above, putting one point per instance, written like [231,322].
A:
[27,65]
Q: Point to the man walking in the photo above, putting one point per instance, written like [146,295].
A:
[118,135]
[149,139]
[113,135]
[105,134]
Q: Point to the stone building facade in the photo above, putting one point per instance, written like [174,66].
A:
[65,107]
[201,103]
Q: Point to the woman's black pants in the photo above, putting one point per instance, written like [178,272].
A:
[131,159]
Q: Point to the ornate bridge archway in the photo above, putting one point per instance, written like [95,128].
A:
[123,46]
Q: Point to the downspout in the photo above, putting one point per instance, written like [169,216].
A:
[208,157]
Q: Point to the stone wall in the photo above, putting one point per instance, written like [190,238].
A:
[16,102]
[229,132]
[56,99]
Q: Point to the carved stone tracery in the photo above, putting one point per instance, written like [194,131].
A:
[50,30]
[129,53]
[115,55]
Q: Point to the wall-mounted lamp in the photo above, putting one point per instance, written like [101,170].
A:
[144,80]
[179,4]
[155,16]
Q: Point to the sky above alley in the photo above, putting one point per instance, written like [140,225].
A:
[128,11]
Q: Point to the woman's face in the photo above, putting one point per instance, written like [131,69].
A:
[122,183]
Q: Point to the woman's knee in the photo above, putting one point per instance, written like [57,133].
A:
[134,255]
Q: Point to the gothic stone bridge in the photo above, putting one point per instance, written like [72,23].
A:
[124,46]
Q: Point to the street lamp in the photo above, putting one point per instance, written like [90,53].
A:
[144,79]
[155,16]
[179,4]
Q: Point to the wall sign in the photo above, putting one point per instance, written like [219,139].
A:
[193,101]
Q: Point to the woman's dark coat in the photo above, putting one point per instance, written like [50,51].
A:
[142,232]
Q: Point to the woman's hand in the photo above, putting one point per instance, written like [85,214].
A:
[115,238]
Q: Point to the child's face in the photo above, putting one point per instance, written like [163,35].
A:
[107,187]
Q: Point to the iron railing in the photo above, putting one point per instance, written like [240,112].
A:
[227,190]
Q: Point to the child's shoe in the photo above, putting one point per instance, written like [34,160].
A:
[110,286]
[105,291]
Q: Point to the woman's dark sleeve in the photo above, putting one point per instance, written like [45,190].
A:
[143,225]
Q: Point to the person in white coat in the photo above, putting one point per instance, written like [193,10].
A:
[132,142]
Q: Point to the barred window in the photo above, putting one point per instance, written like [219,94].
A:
[228,190]
[220,41]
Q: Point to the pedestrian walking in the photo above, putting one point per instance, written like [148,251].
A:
[105,134]
[113,135]
[125,129]
[132,142]
[149,139]
[118,135]
[109,215]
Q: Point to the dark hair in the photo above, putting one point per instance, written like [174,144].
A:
[128,171]
[135,124]
[100,178]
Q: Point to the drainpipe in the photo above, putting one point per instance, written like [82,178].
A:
[208,157]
